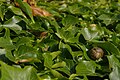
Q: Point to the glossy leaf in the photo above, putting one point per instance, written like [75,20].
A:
[2,11]
[75,9]
[22,41]
[2,51]
[69,21]
[56,45]
[26,8]
[16,11]
[64,70]
[106,19]
[56,74]
[59,64]
[6,43]
[113,61]
[11,72]
[118,27]
[25,54]
[89,35]
[108,46]
[55,54]
[12,24]
[86,68]
[114,75]
[47,60]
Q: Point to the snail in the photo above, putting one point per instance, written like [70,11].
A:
[96,53]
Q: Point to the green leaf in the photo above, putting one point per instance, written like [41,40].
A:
[113,61]
[66,50]
[2,11]
[50,42]
[69,20]
[108,46]
[16,11]
[2,51]
[84,49]
[54,23]
[55,54]
[11,73]
[72,76]
[26,8]
[12,24]
[3,0]
[86,68]
[89,35]
[69,34]
[7,34]
[6,43]
[25,52]
[106,19]
[118,28]
[46,77]
[10,56]
[13,20]
[47,60]
[56,74]
[74,9]
[115,74]
[69,63]
[77,53]
[22,41]
[64,70]
[59,64]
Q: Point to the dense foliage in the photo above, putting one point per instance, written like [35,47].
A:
[57,47]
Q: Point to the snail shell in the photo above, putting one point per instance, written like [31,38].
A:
[96,53]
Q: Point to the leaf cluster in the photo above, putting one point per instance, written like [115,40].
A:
[57,47]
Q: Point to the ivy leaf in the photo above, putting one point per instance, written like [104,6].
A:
[12,24]
[22,41]
[114,75]
[56,74]
[55,54]
[6,43]
[2,11]
[26,8]
[11,73]
[108,46]
[106,19]
[69,20]
[25,54]
[113,61]
[59,64]
[118,27]
[86,68]
[89,35]
[47,60]
[16,11]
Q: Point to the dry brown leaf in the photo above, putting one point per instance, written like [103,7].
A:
[16,4]
[43,34]
[39,12]
[36,11]
[25,0]
[24,60]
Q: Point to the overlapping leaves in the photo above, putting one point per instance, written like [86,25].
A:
[57,47]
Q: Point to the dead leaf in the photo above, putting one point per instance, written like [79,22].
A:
[25,0]
[36,11]
[24,60]
[43,34]
[16,4]
[39,12]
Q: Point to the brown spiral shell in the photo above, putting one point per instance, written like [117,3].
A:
[96,53]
